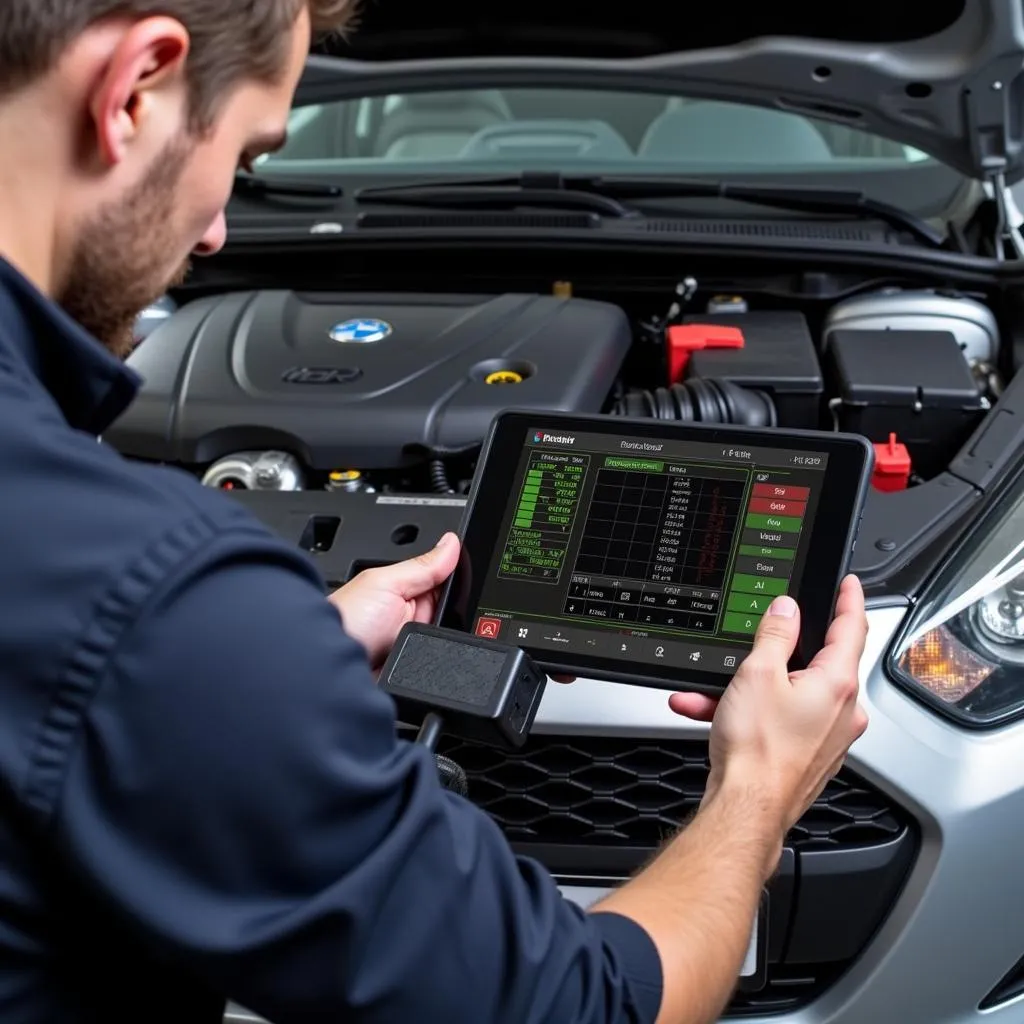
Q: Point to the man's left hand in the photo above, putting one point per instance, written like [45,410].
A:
[379,602]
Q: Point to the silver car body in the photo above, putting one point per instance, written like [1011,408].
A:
[958,925]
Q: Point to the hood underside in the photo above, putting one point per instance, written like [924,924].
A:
[946,77]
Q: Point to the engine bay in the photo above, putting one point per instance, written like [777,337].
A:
[392,392]
[374,384]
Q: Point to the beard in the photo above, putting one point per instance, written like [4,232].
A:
[119,263]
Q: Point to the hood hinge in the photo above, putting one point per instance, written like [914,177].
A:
[990,104]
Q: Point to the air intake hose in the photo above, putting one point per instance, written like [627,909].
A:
[700,400]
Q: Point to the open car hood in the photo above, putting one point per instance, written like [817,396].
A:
[944,76]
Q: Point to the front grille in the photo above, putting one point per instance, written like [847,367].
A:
[599,806]
[635,793]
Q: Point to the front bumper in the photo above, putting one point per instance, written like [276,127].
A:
[956,926]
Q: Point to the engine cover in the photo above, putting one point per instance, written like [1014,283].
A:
[359,381]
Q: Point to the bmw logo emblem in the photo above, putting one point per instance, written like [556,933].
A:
[360,332]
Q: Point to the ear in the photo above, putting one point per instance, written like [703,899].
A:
[149,57]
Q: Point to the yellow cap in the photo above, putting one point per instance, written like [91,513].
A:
[503,377]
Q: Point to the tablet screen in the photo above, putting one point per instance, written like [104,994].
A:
[646,550]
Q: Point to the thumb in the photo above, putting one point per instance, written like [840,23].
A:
[421,574]
[777,632]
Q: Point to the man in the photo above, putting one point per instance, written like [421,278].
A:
[204,798]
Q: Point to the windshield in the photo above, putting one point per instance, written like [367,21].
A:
[526,129]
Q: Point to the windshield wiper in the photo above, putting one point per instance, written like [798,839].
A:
[521,189]
[253,185]
[496,193]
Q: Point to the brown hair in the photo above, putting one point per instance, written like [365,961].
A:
[231,40]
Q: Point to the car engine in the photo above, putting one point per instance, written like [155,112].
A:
[341,386]
[276,390]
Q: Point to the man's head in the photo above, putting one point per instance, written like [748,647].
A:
[127,119]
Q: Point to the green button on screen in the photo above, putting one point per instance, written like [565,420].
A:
[736,623]
[757,551]
[749,604]
[783,524]
[748,584]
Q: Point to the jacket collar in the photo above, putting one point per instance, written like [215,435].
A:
[91,386]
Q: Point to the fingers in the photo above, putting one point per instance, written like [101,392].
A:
[847,635]
[693,705]
[775,639]
[417,576]
[858,726]
[850,603]
[773,647]
[424,607]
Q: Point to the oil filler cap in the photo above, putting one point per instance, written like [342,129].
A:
[504,377]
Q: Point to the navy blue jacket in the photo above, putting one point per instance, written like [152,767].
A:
[203,794]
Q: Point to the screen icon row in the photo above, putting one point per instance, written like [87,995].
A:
[610,644]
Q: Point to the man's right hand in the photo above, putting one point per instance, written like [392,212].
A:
[781,736]
[776,739]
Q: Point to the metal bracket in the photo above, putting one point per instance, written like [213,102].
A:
[1009,243]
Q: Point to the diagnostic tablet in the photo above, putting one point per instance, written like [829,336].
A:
[646,552]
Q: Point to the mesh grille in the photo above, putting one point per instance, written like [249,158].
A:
[609,792]
[615,796]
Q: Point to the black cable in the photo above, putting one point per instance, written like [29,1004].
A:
[452,775]
[430,731]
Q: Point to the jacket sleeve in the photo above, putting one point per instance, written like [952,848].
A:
[236,791]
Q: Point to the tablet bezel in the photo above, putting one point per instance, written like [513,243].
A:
[846,482]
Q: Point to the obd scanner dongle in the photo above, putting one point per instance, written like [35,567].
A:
[447,681]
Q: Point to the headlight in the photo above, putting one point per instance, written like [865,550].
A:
[963,648]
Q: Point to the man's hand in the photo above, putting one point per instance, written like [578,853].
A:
[788,733]
[776,739]
[379,602]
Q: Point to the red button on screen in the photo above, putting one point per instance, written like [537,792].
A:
[489,628]
[782,491]
[778,506]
